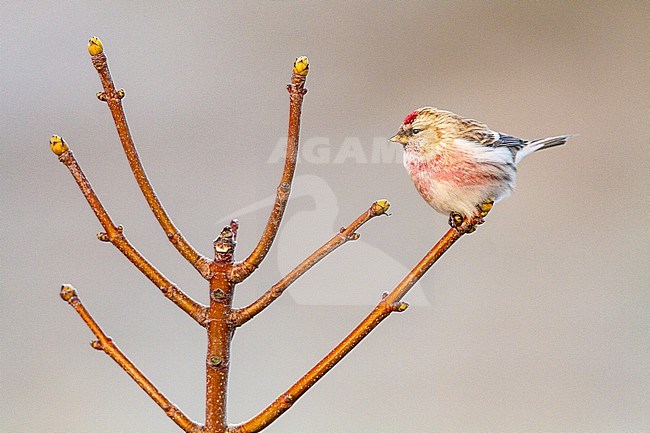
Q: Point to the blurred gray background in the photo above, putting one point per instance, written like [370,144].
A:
[537,322]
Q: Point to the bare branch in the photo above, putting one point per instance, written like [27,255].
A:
[106,344]
[114,234]
[243,315]
[390,302]
[113,98]
[242,270]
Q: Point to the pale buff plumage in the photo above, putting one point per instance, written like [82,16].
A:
[457,164]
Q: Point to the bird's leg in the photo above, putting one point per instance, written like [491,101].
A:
[486,206]
[455,220]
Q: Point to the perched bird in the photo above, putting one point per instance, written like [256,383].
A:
[460,166]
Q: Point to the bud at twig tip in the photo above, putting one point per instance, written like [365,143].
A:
[95,46]
[381,206]
[58,145]
[301,66]
[67,292]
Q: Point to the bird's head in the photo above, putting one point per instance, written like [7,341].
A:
[419,130]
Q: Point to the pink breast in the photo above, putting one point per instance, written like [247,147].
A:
[461,173]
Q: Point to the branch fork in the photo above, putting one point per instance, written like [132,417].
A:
[222,272]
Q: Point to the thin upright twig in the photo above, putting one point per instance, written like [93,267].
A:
[113,98]
[106,344]
[390,302]
[243,315]
[242,270]
[115,235]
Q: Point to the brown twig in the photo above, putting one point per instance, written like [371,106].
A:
[243,315]
[390,302]
[115,235]
[242,270]
[220,330]
[105,343]
[113,98]
[224,274]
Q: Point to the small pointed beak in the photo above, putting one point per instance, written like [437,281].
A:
[399,138]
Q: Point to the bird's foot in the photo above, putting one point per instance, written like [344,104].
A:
[456,220]
[486,207]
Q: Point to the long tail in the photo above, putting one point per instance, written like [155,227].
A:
[543,143]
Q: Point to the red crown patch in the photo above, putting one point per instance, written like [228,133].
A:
[410,118]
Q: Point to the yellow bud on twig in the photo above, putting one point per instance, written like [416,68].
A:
[67,292]
[382,206]
[57,145]
[402,306]
[95,46]
[301,66]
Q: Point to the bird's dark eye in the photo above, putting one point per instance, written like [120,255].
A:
[416,131]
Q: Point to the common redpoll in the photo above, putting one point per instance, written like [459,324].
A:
[460,166]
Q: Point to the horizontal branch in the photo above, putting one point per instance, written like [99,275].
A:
[114,234]
[390,302]
[243,315]
[113,98]
[106,344]
[242,270]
